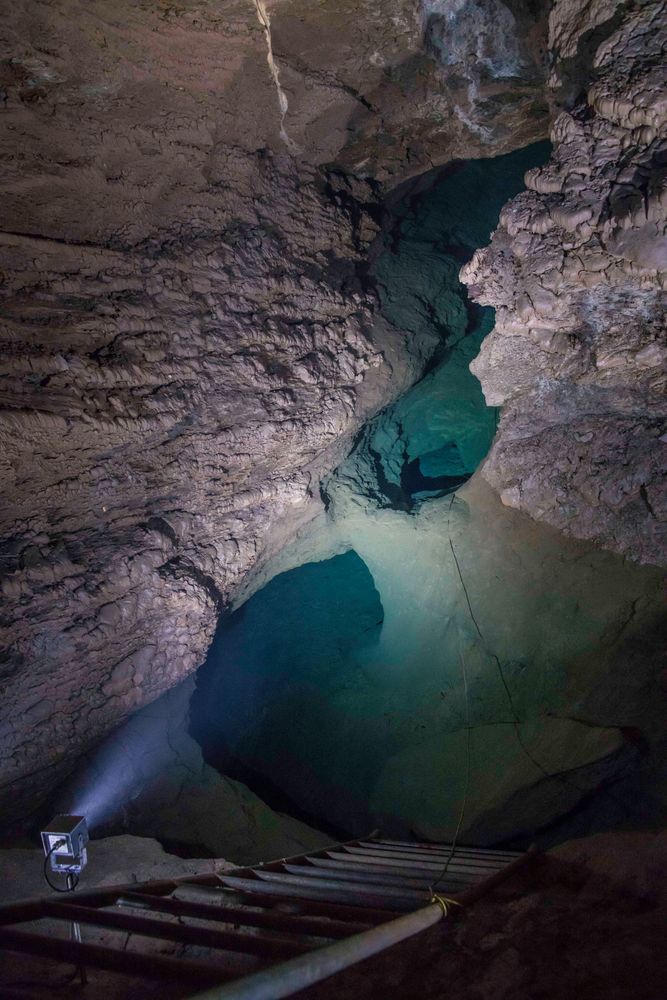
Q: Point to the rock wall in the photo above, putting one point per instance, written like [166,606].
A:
[586,921]
[390,89]
[166,416]
[577,272]
[508,679]
[187,347]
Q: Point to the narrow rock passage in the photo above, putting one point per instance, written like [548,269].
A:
[438,433]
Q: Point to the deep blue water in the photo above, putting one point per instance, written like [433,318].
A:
[273,671]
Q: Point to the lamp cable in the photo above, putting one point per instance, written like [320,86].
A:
[72,873]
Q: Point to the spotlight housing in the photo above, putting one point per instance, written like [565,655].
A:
[65,842]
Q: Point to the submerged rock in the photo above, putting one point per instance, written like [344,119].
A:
[191,346]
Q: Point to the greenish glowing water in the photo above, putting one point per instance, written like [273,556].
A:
[442,428]
[341,685]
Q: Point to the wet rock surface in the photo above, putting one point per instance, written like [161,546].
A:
[461,663]
[191,345]
[576,272]
[502,679]
[435,436]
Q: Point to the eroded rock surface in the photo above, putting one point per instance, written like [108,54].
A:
[168,413]
[587,921]
[391,89]
[577,272]
[149,777]
[558,641]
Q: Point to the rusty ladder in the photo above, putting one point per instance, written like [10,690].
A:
[263,931]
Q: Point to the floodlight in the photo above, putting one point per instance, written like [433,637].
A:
[65,844]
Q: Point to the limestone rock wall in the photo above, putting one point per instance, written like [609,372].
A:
[167,416]
[390,89]
[149,778]
[577,272]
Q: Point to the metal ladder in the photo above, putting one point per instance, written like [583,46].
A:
[263,931]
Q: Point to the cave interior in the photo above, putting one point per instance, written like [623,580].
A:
[332,447]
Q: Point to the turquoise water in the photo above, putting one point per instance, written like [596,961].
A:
[437,434]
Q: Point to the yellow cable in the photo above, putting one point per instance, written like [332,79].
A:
[444,902]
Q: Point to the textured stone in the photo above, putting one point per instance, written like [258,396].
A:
[148,777]
[389,90]
[558,641]
[178,445]
[577,273]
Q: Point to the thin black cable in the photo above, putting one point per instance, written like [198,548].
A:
[57,888]
[556,775]
[501,672]
[466,787]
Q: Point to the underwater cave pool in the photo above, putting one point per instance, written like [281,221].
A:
[337,693]
[280,673]
[432,667]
